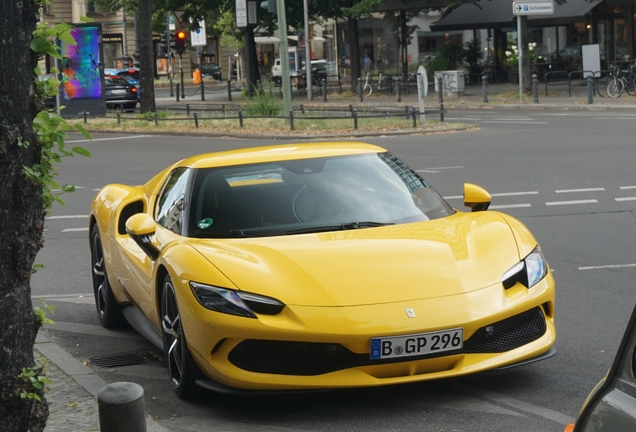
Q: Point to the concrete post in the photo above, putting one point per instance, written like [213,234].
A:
[121,408]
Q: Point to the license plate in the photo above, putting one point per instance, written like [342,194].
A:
[417,344]
[118,92]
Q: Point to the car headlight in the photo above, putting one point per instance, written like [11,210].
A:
[528,271]
[234,302]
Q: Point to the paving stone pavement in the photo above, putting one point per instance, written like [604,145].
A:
[72,395]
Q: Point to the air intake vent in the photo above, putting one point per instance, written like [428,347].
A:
[125,359]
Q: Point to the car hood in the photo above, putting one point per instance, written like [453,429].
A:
[437,258]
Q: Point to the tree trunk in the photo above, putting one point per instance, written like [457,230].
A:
[21,215]
[525,52]
[146,61]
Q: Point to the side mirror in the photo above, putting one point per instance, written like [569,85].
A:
[140,227]
[476,197]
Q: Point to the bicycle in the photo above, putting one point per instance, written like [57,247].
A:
[622,83]
[385,85]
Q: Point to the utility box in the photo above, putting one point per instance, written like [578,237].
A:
[452,82]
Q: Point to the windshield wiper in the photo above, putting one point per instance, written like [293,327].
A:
[340,227]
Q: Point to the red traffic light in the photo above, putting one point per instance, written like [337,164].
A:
[181,35]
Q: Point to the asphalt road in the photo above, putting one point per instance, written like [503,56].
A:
[567,175]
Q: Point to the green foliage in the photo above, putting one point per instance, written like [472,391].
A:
[33,381]
[151,115]
[231,36]
[40,313]
[472,52]
[264,103]
[49,127]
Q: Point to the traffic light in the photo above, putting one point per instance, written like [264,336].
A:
[181,38]
[163,46]
[270,5]
[173,41]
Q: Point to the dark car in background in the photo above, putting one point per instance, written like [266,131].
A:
[120,94]
[129,74]
[211,70]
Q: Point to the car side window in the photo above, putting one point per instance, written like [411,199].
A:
[171,204]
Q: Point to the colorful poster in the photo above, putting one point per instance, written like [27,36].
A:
[81,78]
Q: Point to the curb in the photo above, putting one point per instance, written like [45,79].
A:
[73,394]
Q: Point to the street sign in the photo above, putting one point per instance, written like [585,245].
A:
[198,36]
[251,13]
[241,13]
[533,8]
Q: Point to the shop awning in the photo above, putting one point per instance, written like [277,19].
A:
[266,39]
[498,14]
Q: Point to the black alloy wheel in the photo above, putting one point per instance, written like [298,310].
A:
[182,371]
[109,311]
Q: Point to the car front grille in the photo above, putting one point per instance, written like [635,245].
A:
[311,358]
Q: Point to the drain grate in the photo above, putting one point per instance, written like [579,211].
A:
[125,359]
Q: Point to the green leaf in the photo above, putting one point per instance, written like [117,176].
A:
[81,151]
[67,38]
[83,131]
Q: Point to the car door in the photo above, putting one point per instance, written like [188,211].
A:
[611,407]
[169,216]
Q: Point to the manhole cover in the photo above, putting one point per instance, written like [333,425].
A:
[125,359]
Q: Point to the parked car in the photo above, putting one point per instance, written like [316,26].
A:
[129,74]
[211,70]
[316,266]
[611,406]
[120,94]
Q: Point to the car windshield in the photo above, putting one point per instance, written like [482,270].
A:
[310,195]
[115,81]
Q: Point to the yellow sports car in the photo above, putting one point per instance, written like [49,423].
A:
[316,266]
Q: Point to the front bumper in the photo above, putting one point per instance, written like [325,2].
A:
[320,348]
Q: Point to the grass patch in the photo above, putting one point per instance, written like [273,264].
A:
[216,123]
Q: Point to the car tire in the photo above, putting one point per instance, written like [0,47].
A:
[109,312]
[182,371]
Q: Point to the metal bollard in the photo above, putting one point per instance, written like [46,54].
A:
[118,118]
[85,113]
[406,108]
[323,88]
[240,116]
[398,94]
[359,89]
[196,121]
[156,119]
[351,109]
[355,119]
[302,108]
[188,110]
[484,87]
[413,115]
[121,408]
[441,112]
[535,89]
[590,90]
[202,90]
[229,91]
[177,92]
[439,90]
[291,119]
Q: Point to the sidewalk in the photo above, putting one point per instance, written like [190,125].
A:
[72,395]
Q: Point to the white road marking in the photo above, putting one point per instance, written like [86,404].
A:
[515,193]
[625,199]
[579,190]
[611,266]
[520,405]
[108,139]
[454,197]
[515,122]
[555,203]
[68,217]
[627,187]
[510,206]
[75,229]
[448,167]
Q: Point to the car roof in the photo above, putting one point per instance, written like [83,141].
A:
[279,153]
